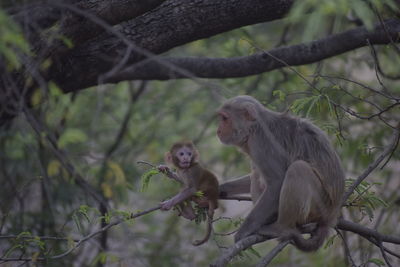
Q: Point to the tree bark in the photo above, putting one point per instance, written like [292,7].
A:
[174,23]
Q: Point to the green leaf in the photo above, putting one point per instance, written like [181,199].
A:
[77,223]
[71,136]
[329,241]
[281,95]
[377,262]
[302,103]
[115,170]
[145,179]
[254,252]
[53,168]
[83,209]
[199,194]
[364,12]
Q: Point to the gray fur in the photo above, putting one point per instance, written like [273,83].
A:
[275,142]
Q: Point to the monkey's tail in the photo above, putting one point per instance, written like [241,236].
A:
[314,242]
[210,215]
[207,236]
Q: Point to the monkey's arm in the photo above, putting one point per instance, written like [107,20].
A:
[264,212]
[181,196]
[235,187]
[170,174]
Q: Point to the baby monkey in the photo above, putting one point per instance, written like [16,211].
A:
[194,178]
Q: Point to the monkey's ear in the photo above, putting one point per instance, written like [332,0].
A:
[250,112]
[196,155]
[168,157]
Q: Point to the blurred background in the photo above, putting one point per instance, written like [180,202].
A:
[98,134]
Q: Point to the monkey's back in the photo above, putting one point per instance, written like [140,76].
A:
[308,142]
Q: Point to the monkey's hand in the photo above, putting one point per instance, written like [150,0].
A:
[164,169]
[166,205]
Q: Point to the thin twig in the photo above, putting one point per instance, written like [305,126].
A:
[383,252]
[346,248]
[146,163]
[387,151]
[84,239]
[237,248]
[37,237]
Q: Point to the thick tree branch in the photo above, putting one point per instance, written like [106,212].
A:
[172,24]
[264,61]
[80,28]
[367,232]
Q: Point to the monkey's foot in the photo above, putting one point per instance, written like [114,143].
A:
[270,230]
[187,215]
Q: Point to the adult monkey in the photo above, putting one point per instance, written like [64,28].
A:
[296,176]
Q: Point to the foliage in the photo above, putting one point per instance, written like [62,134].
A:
[12,42]
[41,196]
[145,179]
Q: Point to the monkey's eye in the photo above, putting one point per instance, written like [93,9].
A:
[223,117]
[190,154]
[181,154]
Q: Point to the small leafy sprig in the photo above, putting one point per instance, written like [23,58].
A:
[145,179]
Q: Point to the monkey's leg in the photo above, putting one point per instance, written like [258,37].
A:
[300,195]
[264,212]
[186,210]
[301,202]
[210,215]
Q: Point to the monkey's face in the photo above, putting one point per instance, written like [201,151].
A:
[183,157]
[231,130]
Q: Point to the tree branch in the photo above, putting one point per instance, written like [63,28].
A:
[237,248]
[366,232]
[174,23]
[295,55]
[387,151]
[84,239]
[272,254]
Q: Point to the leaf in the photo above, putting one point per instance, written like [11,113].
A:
[199,193]
[53,168]
[77,223]
[315,22]
[301,103]
[23,234]
[54,89]
[83,209]
[365,13]
[107,191]
[145,179]
[254,252]
[116,171]
[68,42]
[329,241]
[281,95]
[71,136]
[377,262]
[107,217]
[36,97]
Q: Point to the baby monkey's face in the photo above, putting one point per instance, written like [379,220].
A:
[184,156]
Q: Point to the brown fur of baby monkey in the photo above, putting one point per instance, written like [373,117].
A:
[194,177]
